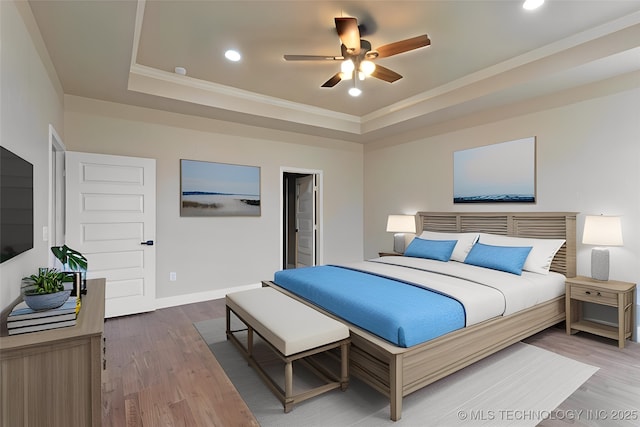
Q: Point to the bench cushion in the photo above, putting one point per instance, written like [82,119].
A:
[289,325]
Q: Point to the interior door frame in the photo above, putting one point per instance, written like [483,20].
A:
[319,216]
[56,221]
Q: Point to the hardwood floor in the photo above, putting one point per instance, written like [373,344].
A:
[611,397]
[160,372]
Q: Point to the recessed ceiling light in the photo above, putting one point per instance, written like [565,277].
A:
[532,4]
[233,55]
[354,91]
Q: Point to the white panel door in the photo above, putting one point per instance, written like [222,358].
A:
[306,218]
[111,219]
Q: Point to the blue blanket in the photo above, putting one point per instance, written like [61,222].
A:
[399,312]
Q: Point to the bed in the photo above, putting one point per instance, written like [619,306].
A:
[397,368]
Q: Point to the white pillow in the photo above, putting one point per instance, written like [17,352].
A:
[541,255]
[462,248]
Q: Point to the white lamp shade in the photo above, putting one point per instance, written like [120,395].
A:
[602,230]
[347,66]
[401,224]
[367,67]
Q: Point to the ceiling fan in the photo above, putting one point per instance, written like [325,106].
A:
[357,55]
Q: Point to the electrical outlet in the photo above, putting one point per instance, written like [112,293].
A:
[173,276]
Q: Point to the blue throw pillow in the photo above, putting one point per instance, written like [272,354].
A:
[440,250]
[504,258]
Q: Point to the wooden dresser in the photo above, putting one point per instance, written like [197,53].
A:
[53,377]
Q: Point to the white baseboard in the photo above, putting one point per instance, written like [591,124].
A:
[200,296]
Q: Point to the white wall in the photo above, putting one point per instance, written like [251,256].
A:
[217,253]
[588,161]
[30,100]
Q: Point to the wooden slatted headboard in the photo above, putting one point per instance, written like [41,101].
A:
[545,225]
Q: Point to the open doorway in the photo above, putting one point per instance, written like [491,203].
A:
[56,223]
[300,218]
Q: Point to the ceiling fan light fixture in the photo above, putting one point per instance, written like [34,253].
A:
[347,66]
[532,4]
[367,67]
[355,90]
[356,54]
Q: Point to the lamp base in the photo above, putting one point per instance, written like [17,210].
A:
[600,264]
[398,243]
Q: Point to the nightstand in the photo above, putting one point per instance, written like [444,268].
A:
[389,254]
[611,293]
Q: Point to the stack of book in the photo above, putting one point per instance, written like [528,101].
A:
[22,319]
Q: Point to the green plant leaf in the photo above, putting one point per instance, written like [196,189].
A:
[47,281]
[67,256]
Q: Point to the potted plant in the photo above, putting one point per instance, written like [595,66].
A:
[70,257]
[75,262]
[45,290]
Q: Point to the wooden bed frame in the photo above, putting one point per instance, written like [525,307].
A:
[397,372]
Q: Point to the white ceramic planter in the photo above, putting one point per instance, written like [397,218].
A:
[46,301]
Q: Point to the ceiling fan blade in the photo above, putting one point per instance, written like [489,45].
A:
[333,80]
[349,34]
[403,46]
[385,74]
[312,58]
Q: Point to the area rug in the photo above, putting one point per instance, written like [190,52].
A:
[518,386]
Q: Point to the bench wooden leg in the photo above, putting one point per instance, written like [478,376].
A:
[249,342]
[344,362]
[288,386]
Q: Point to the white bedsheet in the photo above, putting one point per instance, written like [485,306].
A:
[484,293]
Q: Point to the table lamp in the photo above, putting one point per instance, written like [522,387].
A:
[400,224]
[601,231]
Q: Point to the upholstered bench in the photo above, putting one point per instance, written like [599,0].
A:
[294,331]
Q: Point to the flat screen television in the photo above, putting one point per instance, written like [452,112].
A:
[16,205]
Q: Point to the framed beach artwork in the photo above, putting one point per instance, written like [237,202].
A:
[497,173]
[218,189]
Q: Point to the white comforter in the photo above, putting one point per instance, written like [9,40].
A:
[483,292]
